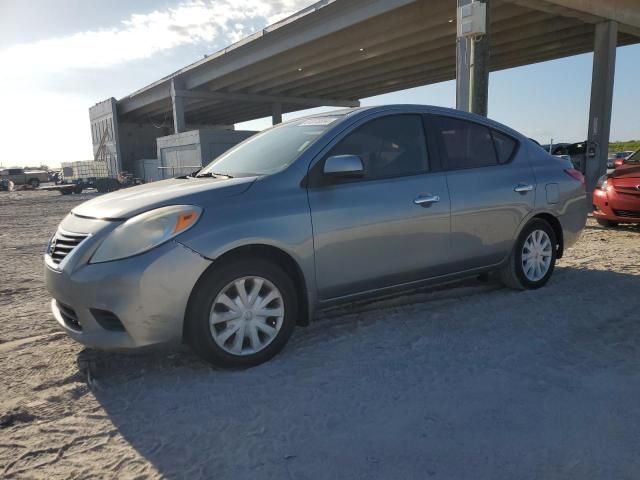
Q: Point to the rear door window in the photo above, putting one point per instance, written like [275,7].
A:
[505,146]
[465,144]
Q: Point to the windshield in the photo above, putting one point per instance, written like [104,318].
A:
[269,151]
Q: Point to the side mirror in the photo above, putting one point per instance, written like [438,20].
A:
[344,166]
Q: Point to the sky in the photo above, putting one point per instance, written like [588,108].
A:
[58,58]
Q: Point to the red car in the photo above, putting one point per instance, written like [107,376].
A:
[617,197]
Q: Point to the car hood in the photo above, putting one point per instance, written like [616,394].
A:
[626,171]
[128,202]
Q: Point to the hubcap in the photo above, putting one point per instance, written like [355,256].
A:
[537,253]
[246,316]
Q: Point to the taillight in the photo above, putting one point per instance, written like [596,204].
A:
[618,163]
[576,175]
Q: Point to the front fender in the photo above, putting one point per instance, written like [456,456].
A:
[259,218]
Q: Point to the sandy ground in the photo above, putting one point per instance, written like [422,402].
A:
[474,381]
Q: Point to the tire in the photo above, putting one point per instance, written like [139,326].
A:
[101,185]
[34,182]
[65,192]
[606,223]
[78,189]
[208,340]
[513,273]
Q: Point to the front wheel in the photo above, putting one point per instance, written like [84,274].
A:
[242,313]
[533,258]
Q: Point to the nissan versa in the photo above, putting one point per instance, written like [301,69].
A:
[315,211]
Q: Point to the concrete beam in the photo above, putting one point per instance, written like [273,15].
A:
[428,42]
[604,66]
[326,21]
[505,36]
[137,100]
[625,12]
[505,54]
[258,98]
[420,24]
[621,11]
[234,112]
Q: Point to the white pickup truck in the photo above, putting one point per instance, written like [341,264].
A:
[20,176]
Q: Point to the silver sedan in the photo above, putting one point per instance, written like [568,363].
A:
[316,211]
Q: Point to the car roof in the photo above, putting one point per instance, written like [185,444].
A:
[357,112]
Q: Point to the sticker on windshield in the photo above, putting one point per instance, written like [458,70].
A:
[314,122]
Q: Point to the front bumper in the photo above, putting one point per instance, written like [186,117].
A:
[607,203]
[146,294]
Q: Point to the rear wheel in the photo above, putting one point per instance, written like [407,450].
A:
[533,258]
[606,223]
[34,182]
[241,313]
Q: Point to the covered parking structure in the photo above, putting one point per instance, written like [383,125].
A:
[338,51]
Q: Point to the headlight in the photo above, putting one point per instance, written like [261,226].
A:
[603,183]
[146,231]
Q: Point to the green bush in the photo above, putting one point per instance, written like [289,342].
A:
[622,146]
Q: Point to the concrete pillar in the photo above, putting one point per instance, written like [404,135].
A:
[462,69]
[604,66]
[472,69]
[177,102]
[276,113]
[479,70]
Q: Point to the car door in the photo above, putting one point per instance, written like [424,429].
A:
[389,227]
[492,188]
[17,176]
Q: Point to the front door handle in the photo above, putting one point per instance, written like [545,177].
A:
[426,200]
[522,188]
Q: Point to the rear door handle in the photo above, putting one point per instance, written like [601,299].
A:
[522,188]
[426,200]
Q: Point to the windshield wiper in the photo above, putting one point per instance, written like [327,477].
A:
[214,175]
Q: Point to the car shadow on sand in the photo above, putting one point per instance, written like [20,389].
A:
[482,382]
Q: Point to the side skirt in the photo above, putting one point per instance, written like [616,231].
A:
[403,288]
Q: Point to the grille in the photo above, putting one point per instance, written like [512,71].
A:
[627,213]
[69,316]
[63,243]
[628,187]
[627,190]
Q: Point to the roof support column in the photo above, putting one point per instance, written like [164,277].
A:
[604,66]
[177,102]
[462,68]
[276,113]
[479,70]
[472,68]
